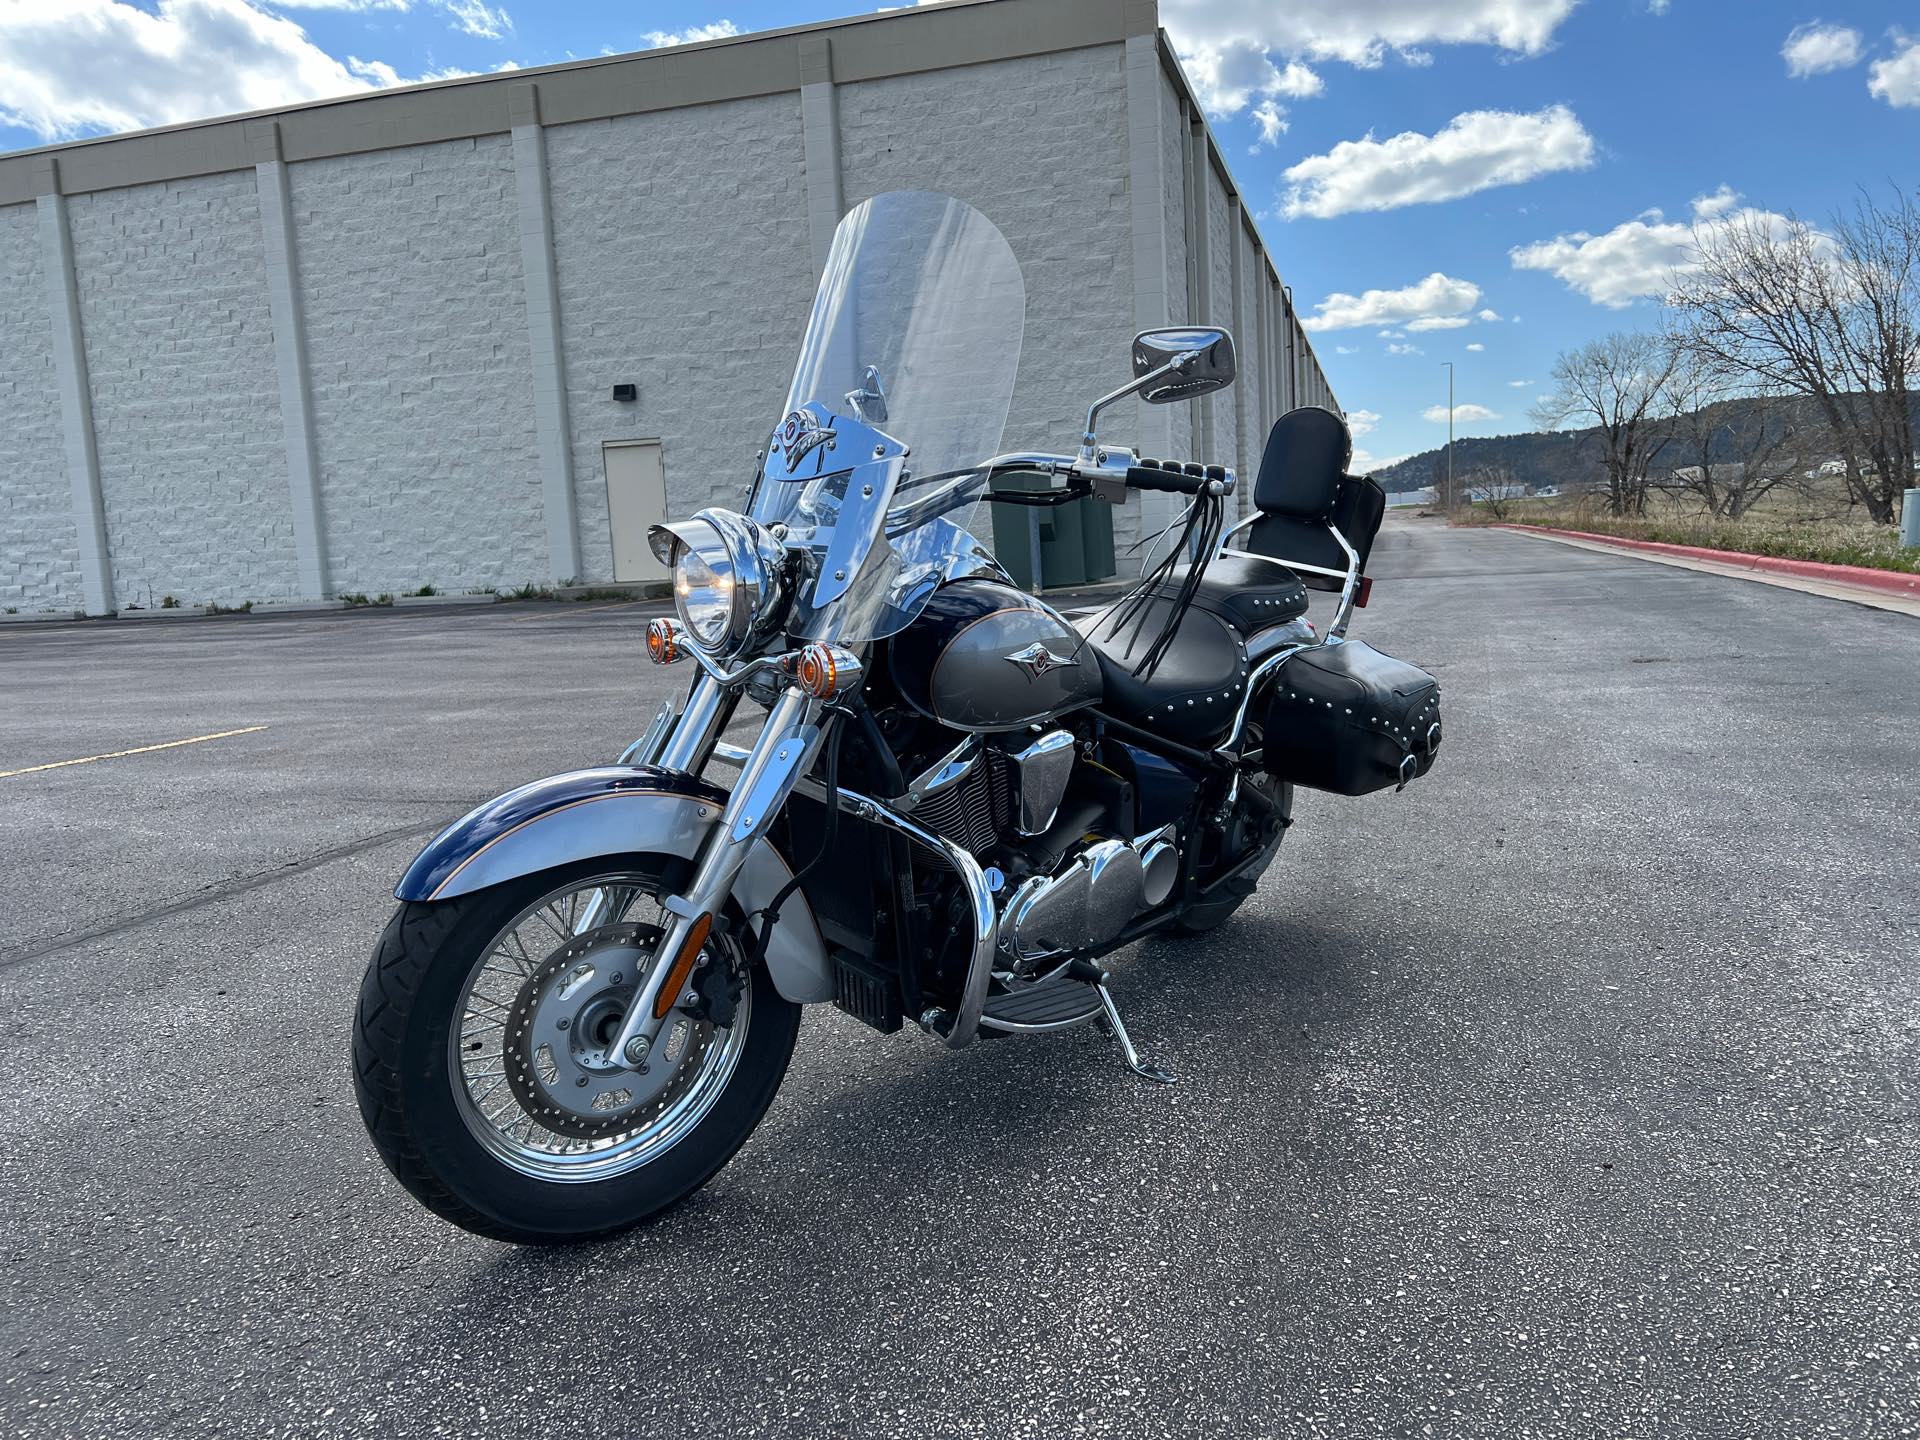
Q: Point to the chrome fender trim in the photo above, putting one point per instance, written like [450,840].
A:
[617,810]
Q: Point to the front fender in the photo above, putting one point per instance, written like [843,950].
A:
[618,810]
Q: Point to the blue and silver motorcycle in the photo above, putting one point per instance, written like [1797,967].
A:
[959,803]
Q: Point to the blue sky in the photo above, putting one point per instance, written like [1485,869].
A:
[1481,181]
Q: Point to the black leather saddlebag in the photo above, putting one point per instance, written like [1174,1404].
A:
[1348,719]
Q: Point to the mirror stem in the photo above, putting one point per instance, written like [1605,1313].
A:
[1088,445]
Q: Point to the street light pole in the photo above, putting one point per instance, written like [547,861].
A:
[1451,500]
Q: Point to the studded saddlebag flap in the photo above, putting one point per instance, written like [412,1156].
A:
[1348,719]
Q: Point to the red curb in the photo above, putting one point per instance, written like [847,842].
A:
[1893,582]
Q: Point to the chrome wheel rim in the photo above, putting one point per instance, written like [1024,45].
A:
[528,1053]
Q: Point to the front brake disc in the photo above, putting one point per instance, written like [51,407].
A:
[559,1034]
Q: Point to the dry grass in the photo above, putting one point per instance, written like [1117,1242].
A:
[1791,526]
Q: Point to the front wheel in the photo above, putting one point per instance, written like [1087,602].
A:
[480,1059]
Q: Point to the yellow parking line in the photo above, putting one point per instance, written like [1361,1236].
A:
[137,750]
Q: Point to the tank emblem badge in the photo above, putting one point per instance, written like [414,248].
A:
[1037,660]
[802,435]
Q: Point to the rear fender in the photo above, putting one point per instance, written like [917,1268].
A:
[618,810]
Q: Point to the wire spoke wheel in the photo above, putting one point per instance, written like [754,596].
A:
[531,1055]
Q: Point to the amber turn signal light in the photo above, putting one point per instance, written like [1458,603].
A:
[663,646]
[824,671]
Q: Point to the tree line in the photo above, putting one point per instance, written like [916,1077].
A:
[1767,308]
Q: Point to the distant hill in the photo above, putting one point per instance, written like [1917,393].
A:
[1568,458]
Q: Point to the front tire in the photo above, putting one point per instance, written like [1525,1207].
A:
[460,1002]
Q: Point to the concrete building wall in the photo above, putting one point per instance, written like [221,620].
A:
[1174,180]
[324,344]
[681,247]
[39,552]
[1218,446]
[1025,162]
[417,348]
[186,411]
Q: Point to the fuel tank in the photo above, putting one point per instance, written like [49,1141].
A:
[984,656]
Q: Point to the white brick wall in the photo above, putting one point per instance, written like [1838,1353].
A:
[39,558]
[1218,448]
[684,267]
[421,372]
[1173,139]
[1046,162]
[186,407]
[681,247]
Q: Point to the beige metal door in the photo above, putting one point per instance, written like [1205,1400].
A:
[636,500]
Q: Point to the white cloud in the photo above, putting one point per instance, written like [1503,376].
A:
[1815,49]
[692,35]
[1359,32]
[1659,7]
[1361,422]
[1462,414]
[1519,384]
[78,67]
[1365,462]
[1436,296]
[1476,347]
[489,22]
[1405,350]
[1346,349]
[1896,79]
[1476,151]
[1492,317]
[1712,207]
[1272,120]
[1439,322]
[1639,258]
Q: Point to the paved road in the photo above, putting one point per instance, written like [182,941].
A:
[1571,1092]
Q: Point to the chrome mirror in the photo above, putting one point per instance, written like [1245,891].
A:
[1182,363]
[1175,363]
[869,402]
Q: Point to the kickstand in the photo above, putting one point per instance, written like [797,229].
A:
[1132,1058]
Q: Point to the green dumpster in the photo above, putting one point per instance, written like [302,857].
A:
[1096,528]
[1072,543]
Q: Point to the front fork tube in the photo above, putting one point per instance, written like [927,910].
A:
[785,749]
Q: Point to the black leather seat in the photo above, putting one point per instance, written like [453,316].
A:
[1192,695]
[1249,592]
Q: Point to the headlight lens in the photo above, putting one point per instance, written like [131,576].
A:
[704,581]
[729,579]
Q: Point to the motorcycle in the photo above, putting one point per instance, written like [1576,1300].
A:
[960,800]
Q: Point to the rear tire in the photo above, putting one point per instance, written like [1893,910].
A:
[418,1111]
[1231,848]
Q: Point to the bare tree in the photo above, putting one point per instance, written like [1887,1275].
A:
[1493,485]
[1833,316]
[1731,449]
[1617,387]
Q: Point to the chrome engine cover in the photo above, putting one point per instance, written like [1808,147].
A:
[1089,900]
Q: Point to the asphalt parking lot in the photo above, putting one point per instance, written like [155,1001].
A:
[1570,1093]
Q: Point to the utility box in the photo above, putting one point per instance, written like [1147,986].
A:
[1069,544]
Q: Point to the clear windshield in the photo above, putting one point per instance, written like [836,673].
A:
[913,344]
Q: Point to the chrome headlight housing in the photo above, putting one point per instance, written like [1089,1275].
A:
[729,579]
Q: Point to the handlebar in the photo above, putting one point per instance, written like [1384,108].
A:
[1177,477]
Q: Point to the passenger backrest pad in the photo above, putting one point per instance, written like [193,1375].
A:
[1307,452]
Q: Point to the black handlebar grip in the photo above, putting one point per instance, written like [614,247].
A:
[1172,476]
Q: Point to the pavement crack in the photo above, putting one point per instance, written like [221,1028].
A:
[212,894]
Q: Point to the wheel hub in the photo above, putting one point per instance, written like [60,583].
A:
[558,1046]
